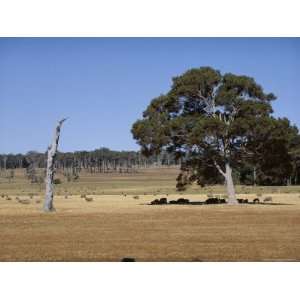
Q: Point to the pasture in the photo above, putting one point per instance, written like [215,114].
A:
[118,223]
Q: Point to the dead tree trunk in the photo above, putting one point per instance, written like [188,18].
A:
[48,204]
[229,183]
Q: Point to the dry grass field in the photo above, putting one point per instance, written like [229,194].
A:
[117,224]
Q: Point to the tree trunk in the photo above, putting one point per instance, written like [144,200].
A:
[254,176]
[48,204]
[230,185]
[229,182]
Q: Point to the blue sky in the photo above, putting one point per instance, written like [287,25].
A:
[103,84]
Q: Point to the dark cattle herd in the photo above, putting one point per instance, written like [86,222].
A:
[212,200]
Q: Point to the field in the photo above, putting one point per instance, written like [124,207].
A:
[118,222]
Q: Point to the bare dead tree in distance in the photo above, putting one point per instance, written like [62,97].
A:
[52,150]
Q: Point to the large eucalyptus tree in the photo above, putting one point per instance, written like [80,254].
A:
[212,121]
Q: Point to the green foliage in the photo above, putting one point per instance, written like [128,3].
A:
[209,119]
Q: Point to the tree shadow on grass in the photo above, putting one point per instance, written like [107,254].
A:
[274,203]
[188,202]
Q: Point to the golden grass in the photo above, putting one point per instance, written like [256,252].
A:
[149,181]
[114,226]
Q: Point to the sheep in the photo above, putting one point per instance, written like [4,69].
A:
[88,199]
[268,199]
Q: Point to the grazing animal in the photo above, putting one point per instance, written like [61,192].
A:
[88,199]
[256,200]
[242,200]
[153,202]
[180,201]
[24,201]
[183,201]
[159,201]
[163,201]
[268,199]
[212,201]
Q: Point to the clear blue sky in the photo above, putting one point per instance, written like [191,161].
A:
[104,84]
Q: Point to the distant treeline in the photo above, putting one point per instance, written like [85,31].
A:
[276,171]
[100,160]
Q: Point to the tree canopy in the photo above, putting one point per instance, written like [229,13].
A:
[215,123]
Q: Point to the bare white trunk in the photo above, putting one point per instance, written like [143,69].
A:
[230,185]
[48,203]
[229,182]
[254,176]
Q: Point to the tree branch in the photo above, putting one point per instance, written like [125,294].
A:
[219,169]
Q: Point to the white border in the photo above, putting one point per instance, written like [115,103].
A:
[148,281]
[149,18]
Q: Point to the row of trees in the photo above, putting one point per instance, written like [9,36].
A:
[101,160]
[274,166]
